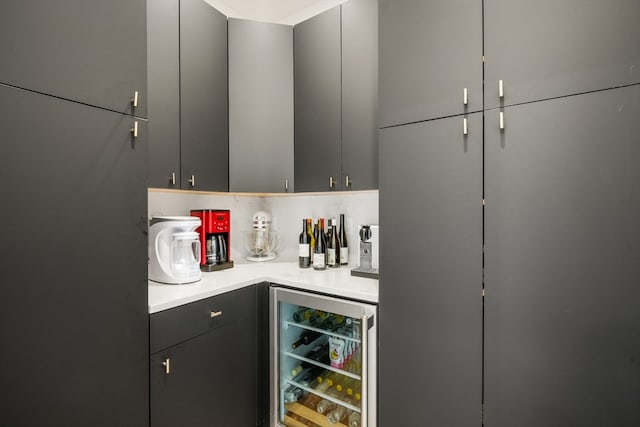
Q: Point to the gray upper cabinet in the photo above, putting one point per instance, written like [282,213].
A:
[430,56]
[547,49]
[45,46]
[431,282]
[204,118]
[163,58]
[561,262]
[360,94]
[317,102]
[260,107]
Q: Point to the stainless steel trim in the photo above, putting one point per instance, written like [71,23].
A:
[364,382]
[216,314]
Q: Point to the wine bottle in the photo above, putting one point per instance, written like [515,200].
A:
[306,338]
[320,250]
[333,246]
[344,247]
[311,235]
[302,314]
[340,412]
[304,247]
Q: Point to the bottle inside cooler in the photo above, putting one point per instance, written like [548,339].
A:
[320,368]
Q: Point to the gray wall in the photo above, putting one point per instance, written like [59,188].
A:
[260,106]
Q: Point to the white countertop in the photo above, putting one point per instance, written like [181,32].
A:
[337,282]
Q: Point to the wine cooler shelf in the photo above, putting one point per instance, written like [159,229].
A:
[324,386]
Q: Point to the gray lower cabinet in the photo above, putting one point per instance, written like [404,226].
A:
[204,363]
[74,264]
[430,362]
[76,50]
[317,102]
[430,53]
[260,107]
[188,118]
[562,266]
[548,48]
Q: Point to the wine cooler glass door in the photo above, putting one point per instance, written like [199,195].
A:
[322,349]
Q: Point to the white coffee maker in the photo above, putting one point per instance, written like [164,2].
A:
[174,250]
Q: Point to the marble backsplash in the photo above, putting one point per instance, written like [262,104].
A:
[287,211]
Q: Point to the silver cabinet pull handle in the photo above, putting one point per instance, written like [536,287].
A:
[501,120]
[465,129]
[216,314]
[134,100]
[500,89]
[286,184]
[167,366]
[192,181]
[465,97]
[332,183]
[172,178]
[134,129]
[347,182]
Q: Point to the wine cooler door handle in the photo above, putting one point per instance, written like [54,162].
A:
[364,383]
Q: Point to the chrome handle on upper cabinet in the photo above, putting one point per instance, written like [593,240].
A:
[167,366]
[465,97]
[347,182]
[134,100]
[134,129]
[500,89]
[465,129]
[286,184]
[172,178]
[216,314]
[192,181]
[332,183]
[501,120]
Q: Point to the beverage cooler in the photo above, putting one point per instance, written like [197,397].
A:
[323,361]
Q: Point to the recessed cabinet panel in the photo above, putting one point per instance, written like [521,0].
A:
[561,263]
[317,102]
[430,52]
[548,48]
[260,107]
[164,93]
[90,51]
[74,262]
[431,281]
[204,124]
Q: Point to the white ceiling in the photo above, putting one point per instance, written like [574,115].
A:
[289,12]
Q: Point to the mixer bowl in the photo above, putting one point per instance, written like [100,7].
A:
[262,245]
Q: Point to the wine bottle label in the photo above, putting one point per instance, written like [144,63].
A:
[303,250]
[344,255]
[318,260]
[331,256]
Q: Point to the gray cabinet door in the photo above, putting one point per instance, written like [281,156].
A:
[549,48]
[316,56]
[360,94]
[73,259]
[163,58]
[430,51]
[90,51]
[212,380]
[562,266]
[204,124]
[430,364]
[260,107]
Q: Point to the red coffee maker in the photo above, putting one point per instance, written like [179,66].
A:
[215,238]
